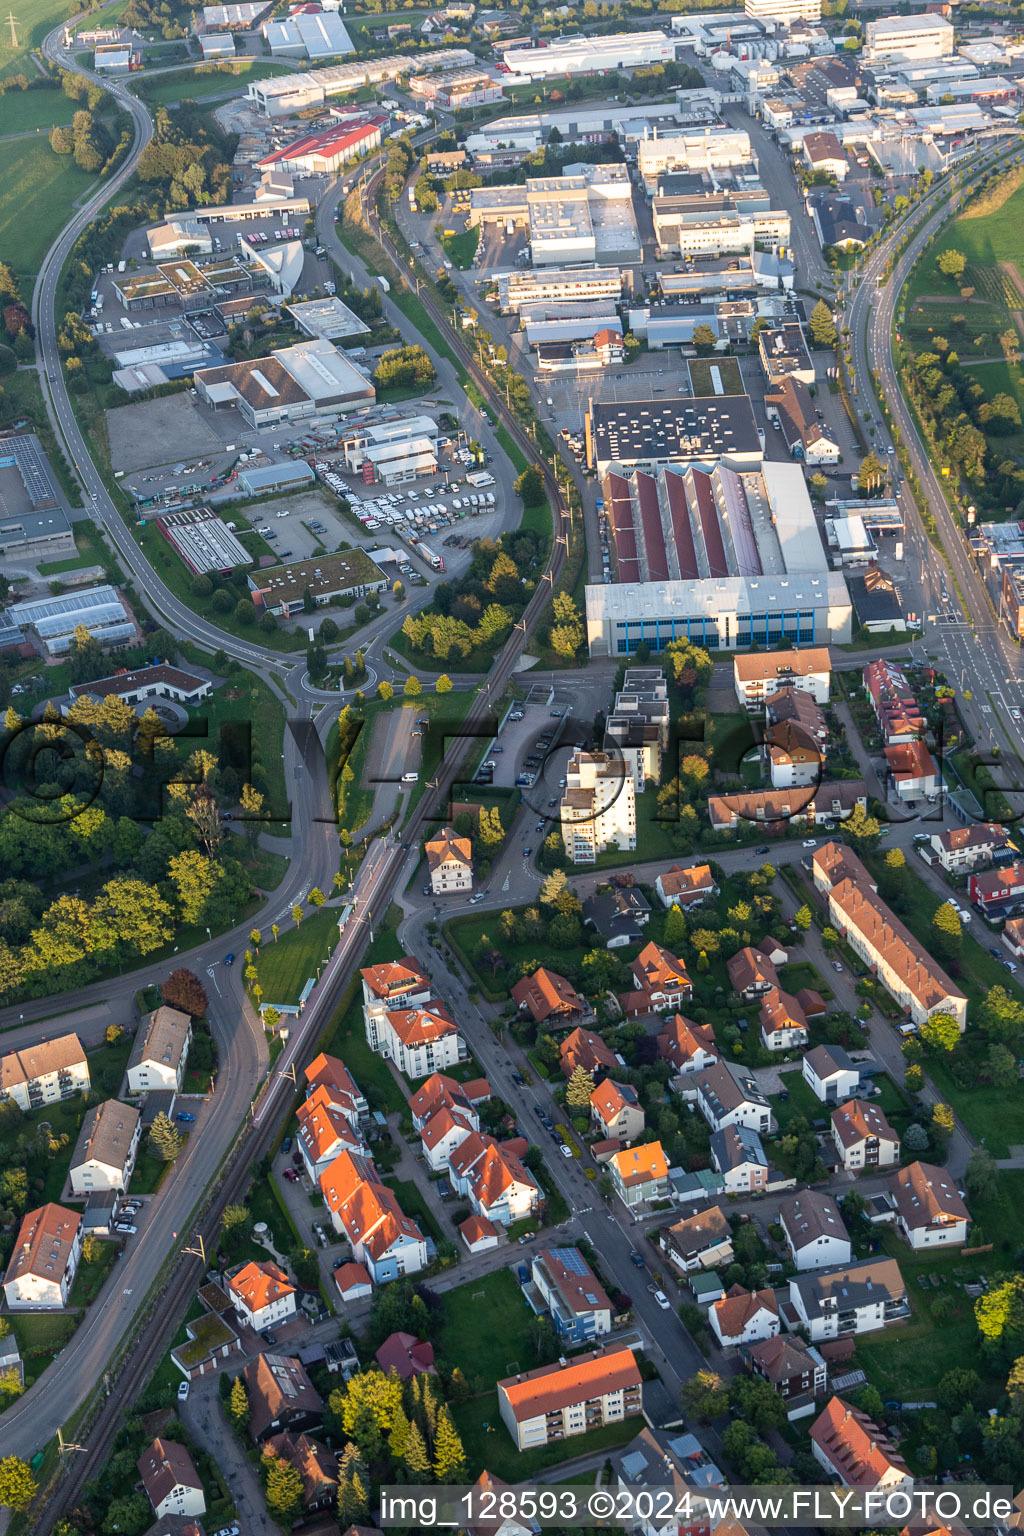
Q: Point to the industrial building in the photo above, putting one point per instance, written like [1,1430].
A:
[321,154]
[645,434]
[578,219]
[33,524]
[718,224]
[217,45]
[721,558]
[392,451]
[590,55]
[203,540]
[698,149]
[578,329]
[674,325]
[576,286]
[238,17]
[114,58]
[34,536]
[262,479]
[784,354]
[782,13]
[907,37]
[455,88]
[184,283]
[55,619]
[314,35]
[289,94]
[282,589]
[329,319]
[290,384]
[588,354]
[176,236]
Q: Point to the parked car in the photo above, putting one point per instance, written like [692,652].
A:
[186,1119]
[636,1259]
[662,1300]
[182,1391]
[286,1145]
[565,1151]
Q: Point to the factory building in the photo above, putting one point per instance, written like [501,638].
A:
[722,558]
[293,93]
[718,224]
[698,149]
[203,540]
[392,451]
[455,88]
[33,524]
[907,37]
[645,434]
[290,384]
[313,35]
[579,286]
[282,589]
[321,154]
[573,220]
[590,55]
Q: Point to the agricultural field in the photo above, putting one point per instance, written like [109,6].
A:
[39,189]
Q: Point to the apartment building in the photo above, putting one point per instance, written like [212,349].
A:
[737,1154]
[782,1021]
[160,1051]
[639,1174]
[783,809]
[863,1137]
[795,761]
[616,1111]
[598,807]
[853,1451]
[262,1294]
[858,1298]
[814,1230]
[419,1040]
[500,1187]
[638,723]
[700,1241]
[395,984]
[762,673]
[450,862]
[384,1240]
[571,1294]
[42,1267]
[726,1095]
[557,1402]
[930,1212]
[962,849]
[108,1143]
[903,966]
[324,1131]
[342,1092]
[44,1073]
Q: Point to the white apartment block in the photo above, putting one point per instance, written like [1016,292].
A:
[104,1156]
[160,1051]
[558,1401]
[598,807]
[419,1040]
[44,1073]
[42,1267]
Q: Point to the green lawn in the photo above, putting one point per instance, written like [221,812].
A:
[248,700]
[487,1329]
[32,111]
[413,1204]
[285,966]
[345,1035]
[195,84]
[90,1276]
[462,248]
[33,23]
[91,550]
[149,1174]
[41,1336]
[39,188]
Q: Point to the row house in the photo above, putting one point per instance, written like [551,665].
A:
[851,1449]
[494,1178]
[737,1154]
[795,1369]
[323,1132]
[961,849]
[616,1111]
[640,1174]
[556,1402]
[700,1241]
[686,887]
[903,966]
[782,809]
[384,1240]
[900,718]
[44,1073]
[762,673]
[913,771]
[686,1046]
[830,1073]
[566,1288]
[548,998]
[743,1317]
[863,1137]
[783,1022]
[929,1209]
[859,1298]
[262,1294]
[814,1230]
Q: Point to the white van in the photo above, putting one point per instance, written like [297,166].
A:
[410,778]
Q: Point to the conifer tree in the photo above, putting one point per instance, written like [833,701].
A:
[416,1459]
[449,1457]
[238,1404]
[581,1086]
[164,1140]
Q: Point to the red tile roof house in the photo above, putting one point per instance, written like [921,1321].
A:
[479,1234]
[616,1110]
[353,1282]
[686,1046]
[315,1464]
[406,1354]
[690,887]
[743,1317]
[996,889]
[852,1449]
[585,1049]
[751,973]
[863,1137]
[548,997]
[662,975]
[383,1238]
[914,771]
[323,1132]
[262,1294]
[783,1021]
[558,1401]
[893,700]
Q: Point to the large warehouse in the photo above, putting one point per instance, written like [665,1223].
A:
[290,384]
[575,219]
[321,154]
[283,95]
[644,434]
[33,524]
[590,55]
[575,286]
[724,559]
[315,36]
[697,149]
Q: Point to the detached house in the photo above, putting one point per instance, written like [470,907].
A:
[317,1466]
[42,1267]
[737,1154]
[616,1110]
[858,1298]
[170,1479]
[263,1295]
[782,1020]
[639,1173]
[700,1241]
[929,1211]
[686,888]
[160,1051]
[662,976]
[619,915]
[686,1046]
[743,1317]
[830,1073]
[863,1137]
[450,862]
[281,1397]
[548,998]
[853,1450]
[104,1155]
[997,892]
[501,1189]
[796,1370]
[815,1232]
[727,1095]
[585,1049]
[752,974]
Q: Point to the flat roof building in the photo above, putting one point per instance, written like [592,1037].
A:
[649,433]
[327,319]
[281,589]
[294,93]
[203,540]
[577,286]
[315,35]
[321,154]
[590,55]
[292,383]
[921,36]
[698,149]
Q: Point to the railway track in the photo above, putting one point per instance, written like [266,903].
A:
[141,1355]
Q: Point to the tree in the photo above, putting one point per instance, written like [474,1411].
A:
[234,1216]
[981,1175]
[530,486]
[704,337]
[416,1459]
[17,1485]
[385,690]
[704,1395]
[183,990]
[957,1389]
[579,1089]
[449,1456]
[823,327]
[127,1516]
[943,1118]
[999,1311]
[283,1490]
[803,918]
[675,927]
[165,1140]
[871,474]
[946,935]
[1015,1386]
[915,1137]
[238,1404]
[757,1403]
[443,684]
[861,830]
[1002,1016]
[941,1031]
[411,687]
[951,263]
[194,878]
[316,897]
[1000,1066]
[553,887]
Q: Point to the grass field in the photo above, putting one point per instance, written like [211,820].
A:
[285,966]
[91,551]
[487,1329]
[34,21]
[462,248]
[41,1336]
[488,1444]
[246,698]
[39,189]
[195,84]
[32,111]
[985,241]
[729,374]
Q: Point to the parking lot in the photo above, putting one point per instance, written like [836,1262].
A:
[300,526]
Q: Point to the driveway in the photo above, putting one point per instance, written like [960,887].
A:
[204,1416]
